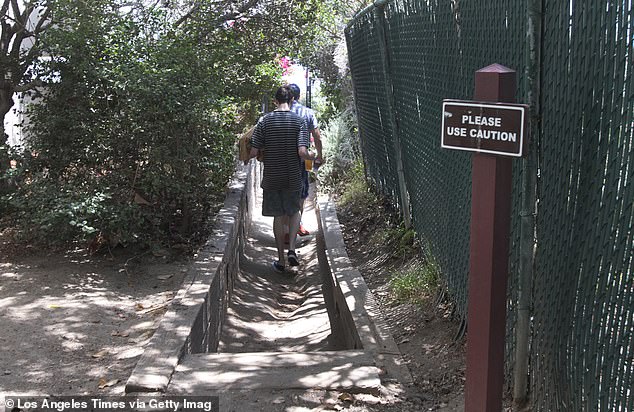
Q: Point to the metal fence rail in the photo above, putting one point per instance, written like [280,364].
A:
[407,55]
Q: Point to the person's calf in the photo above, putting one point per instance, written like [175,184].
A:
[278,233]
[293,226]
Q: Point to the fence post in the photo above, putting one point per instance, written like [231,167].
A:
[379,13]
[528,206]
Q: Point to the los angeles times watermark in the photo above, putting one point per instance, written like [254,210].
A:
[121,403]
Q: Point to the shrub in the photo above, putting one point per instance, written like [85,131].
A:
[415,283]
[341,150]
[402,241]
[133,139]
[355,195]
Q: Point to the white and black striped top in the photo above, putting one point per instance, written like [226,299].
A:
[280,134]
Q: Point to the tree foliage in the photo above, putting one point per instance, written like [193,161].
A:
[132,139]
[21,24]
[326,55]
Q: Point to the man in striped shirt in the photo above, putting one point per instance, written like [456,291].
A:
[283,136]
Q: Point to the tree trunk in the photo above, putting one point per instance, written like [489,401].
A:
[6,103]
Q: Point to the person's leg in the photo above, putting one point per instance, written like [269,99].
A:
[293,227]
[305,187]
[292,200]
[278,232]
[286,236]
[273,205]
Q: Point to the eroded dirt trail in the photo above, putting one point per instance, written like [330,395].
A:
[278,312]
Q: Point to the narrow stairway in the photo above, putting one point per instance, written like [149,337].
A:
[280,332]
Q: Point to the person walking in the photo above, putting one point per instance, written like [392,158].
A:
[313,129]
[284,137]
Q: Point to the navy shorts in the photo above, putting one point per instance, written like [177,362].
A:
[281,202]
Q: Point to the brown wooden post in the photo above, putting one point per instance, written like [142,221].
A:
[489,249]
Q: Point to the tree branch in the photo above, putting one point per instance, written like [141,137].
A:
[44,19]
[239,12]
[189,14]
[225,17]
[20,32]
[16,8]
[6,37]
[23,34]
[5,8]
[28,86]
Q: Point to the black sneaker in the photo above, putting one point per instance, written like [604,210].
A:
[278,267]
[292,258]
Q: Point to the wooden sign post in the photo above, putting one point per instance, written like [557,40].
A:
[496,132]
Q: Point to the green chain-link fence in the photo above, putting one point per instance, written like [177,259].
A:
[408,55]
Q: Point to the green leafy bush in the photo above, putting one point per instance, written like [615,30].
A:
[355,195]
[341,151]
[402,241]
[133,139]
[415,283]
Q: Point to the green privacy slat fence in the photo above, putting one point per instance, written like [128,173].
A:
[370,98]
[585,245]
[437,181]
[428,62]
[581,344]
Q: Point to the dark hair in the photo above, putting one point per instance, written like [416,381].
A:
[284,95]
[295,89]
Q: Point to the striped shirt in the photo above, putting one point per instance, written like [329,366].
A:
[280,134]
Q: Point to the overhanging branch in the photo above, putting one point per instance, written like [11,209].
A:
[234,14]
[28,86]
[189,14]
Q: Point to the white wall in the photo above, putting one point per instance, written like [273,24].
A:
[12,124]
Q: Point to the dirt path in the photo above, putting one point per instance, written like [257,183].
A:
[73,324]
